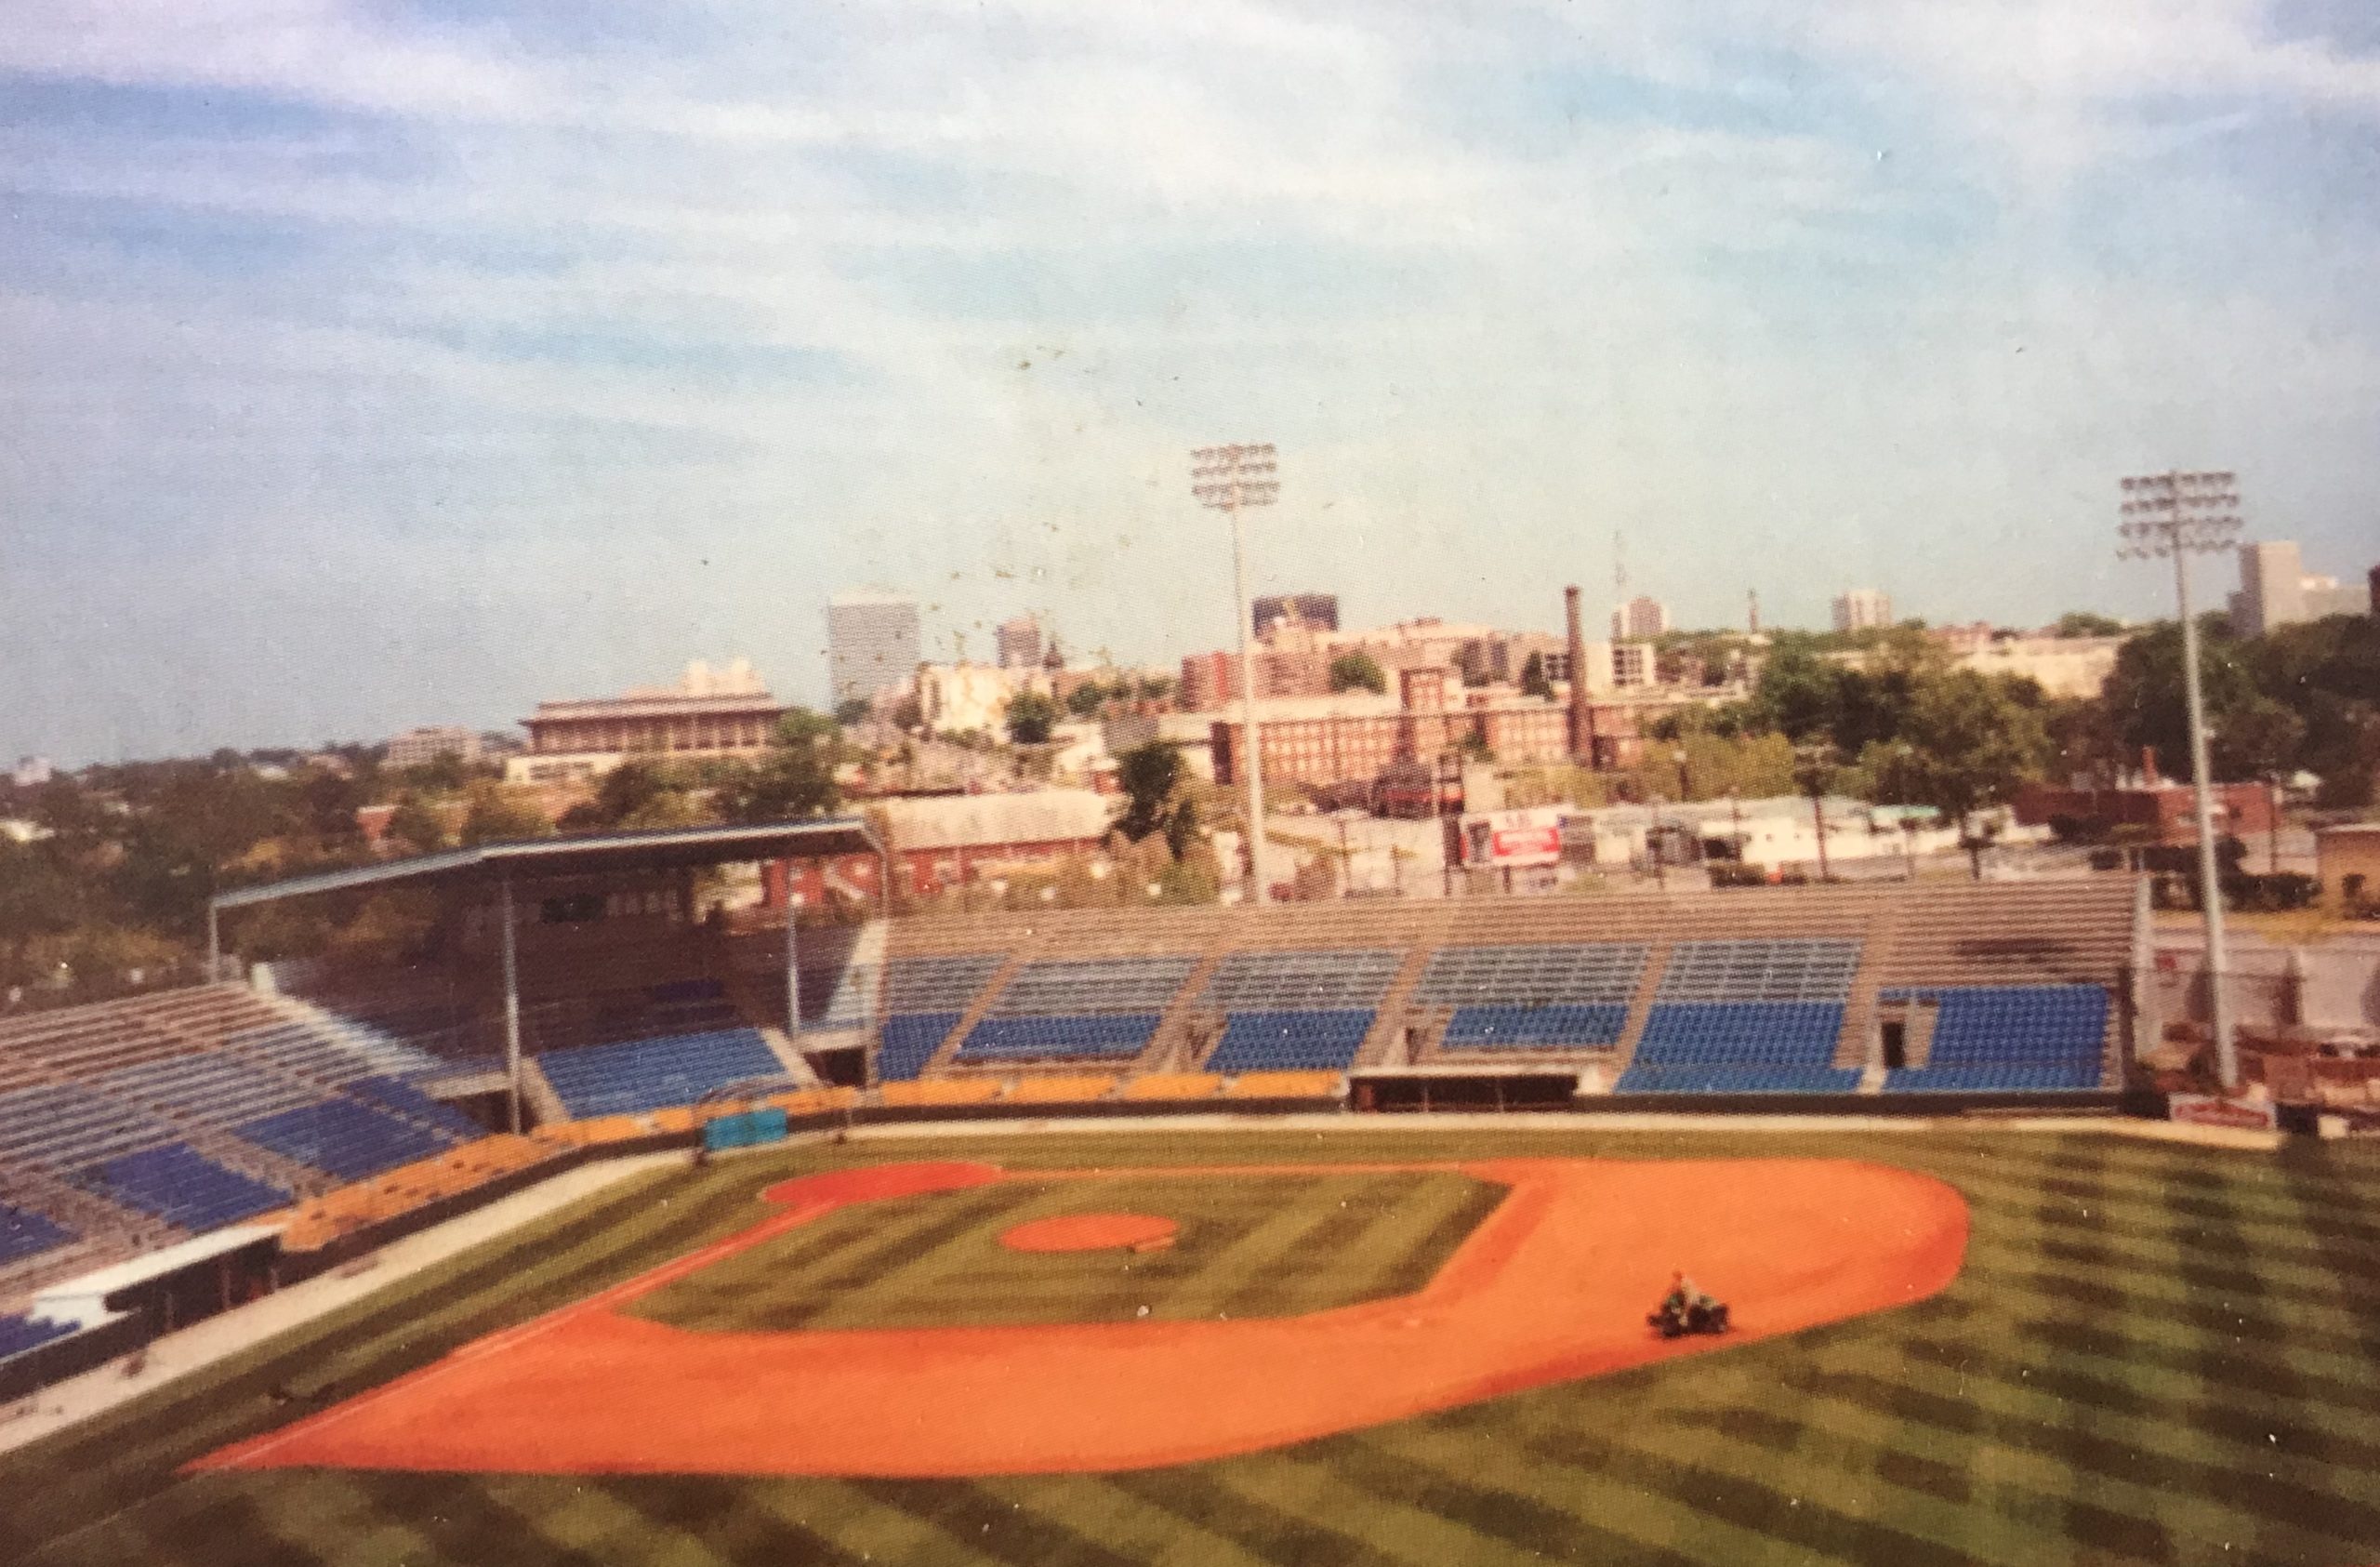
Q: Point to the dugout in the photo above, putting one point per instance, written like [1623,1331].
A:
[570,912]
[1470,1092]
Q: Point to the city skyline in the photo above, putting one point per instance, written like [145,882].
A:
[403,364]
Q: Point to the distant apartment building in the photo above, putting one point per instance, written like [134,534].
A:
[1317,612]
[1640,619]
[31,772]
[2276,589]
[1333,750]
[724,712]
[423,745]
[2062,667]
[1861,609]
[1019,642]
[965,698]
[1211,679]
[872,641]
[1632,665]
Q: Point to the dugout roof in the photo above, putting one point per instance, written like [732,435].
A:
[614,853]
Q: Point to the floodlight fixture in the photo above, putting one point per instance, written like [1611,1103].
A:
[1230,478]
[2173,516]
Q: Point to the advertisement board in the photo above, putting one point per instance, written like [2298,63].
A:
[1498,839]
[2212,1110]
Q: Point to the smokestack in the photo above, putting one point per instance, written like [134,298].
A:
[1581,737]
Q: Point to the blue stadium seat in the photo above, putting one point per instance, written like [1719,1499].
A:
[637,1075]
[180,1186]
[909,1041]
[24,1234]
[1095,1036]
[1739,1047]
[1277,1040]
[396,1093]
[21,1333]
[342,1137]
[1993,1039]
[1561,1027]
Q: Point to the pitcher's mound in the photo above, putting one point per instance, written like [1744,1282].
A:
[1091,1232]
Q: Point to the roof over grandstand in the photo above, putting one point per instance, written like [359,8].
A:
[612,852]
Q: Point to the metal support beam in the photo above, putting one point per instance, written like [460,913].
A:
[792,965]
[512,1002]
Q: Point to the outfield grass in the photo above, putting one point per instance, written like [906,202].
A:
[1261,1246]
[2156,1353]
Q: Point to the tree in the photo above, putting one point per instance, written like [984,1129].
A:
[1533,681]
[1356,669]
[1970,743]
[2258,740]
[1154,778]
[1031,717]
[852,711]
[790,783]
[2148,704]
[417,827]
[2087,623]
[499,814]
[1085,701]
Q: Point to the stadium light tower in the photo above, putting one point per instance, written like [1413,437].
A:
[1230,478]
[2179,515]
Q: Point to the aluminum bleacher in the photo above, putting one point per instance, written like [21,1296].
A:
[177,1183]
[1534,996]
[2004,1038]
[632,1076]
[328,1052]
[1063,1009]
[1758,1015]
[208,1087]
[61,1127]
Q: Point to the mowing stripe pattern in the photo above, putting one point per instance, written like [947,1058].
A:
[2156,1354]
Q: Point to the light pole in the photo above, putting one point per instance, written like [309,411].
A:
[1230,478]
[2179,515]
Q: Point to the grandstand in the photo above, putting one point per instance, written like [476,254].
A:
[129,1125]
[1899,989]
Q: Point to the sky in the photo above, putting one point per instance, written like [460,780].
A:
[374,363]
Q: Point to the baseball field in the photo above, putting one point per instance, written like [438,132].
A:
[1989,1346]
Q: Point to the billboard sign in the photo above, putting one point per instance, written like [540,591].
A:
[2210,1110]
[1513,838]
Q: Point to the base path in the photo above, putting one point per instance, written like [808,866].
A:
[1552,1286]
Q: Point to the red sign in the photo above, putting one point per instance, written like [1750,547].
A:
[1518,842]
[1507,838]
[2208,1109]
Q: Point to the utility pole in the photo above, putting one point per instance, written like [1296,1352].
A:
[2175,515]
[1229,479]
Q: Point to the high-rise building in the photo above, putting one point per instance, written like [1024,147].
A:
[872,641]
[1639,619]
[1019,641]
[2275,589]
[1861,609]
[1315,611]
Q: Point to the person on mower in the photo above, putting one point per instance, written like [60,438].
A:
[1687,1309]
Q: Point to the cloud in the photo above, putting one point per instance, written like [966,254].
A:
[562,340]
